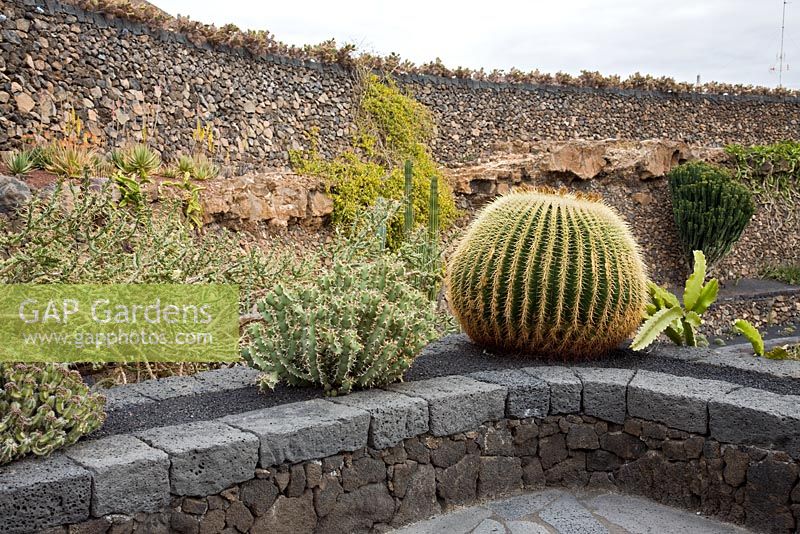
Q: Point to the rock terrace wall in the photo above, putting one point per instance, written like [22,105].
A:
[111,70]
[376,459]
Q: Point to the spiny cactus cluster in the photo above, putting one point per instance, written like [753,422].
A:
[548,272]
[44,408]
[711,210]
[359,326]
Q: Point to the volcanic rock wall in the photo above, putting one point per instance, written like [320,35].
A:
[118,75]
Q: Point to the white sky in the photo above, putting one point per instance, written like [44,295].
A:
[733,41]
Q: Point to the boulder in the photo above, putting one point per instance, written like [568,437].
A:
[14,193]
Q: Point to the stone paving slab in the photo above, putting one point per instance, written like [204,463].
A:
[206,456]
[568,516]
[755,417]
[605,392]
[565,388]
[641,516]
[678,402]
[37,493]
[528,396]
[128,475]
[394,416]
[304,430]
[457,403]
[570,512]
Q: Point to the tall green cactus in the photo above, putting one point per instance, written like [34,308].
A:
[548,272]
[433,209]
[408,201]
[44,408]
[711,210]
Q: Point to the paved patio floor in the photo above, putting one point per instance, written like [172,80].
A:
[555,511]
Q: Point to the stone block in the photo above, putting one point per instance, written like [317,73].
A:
[394,417]
[304,430]
[124,397]
[128,475]
[206,456]
[166,388]
[227,379]
[678,402]
[38,493]
[528,396]
[457,403]
[755,417]
[604,392]
[565,388]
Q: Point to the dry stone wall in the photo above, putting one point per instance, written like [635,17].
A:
[112,71]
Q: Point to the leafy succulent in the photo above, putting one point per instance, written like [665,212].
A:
[359,325]
[43,408]
[664,313]
[780,352]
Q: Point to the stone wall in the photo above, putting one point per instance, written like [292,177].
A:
[112,71]
[381,458]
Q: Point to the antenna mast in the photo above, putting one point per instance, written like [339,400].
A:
[780,58]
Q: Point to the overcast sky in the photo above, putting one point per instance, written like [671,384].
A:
[724,40]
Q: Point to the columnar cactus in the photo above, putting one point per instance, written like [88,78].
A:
[711,209]
[548,272]
[44,408]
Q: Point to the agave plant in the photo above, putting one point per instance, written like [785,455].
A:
[19,162]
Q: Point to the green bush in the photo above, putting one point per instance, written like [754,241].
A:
[548,272]
[392,128]
[44,408]
[711,210]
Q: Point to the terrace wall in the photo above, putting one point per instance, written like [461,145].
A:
[56,55]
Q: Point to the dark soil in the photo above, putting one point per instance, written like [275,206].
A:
[457,355]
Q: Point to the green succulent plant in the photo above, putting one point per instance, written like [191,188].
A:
[545,271]
[43,408]
[139,159]
[711,210]
[19,162]
[359,326]
[664,313]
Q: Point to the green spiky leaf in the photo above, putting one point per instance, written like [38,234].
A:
[654,326]
[752,334]
[694,284]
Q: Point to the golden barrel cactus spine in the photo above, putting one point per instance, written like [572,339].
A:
[548,272]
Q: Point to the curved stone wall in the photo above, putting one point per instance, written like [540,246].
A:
[110,71]
[384,458]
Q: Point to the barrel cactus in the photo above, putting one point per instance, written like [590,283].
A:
[43,408]
[548,272]
[711,209]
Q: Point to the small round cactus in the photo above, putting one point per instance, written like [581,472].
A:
[548,272]
[43,408]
